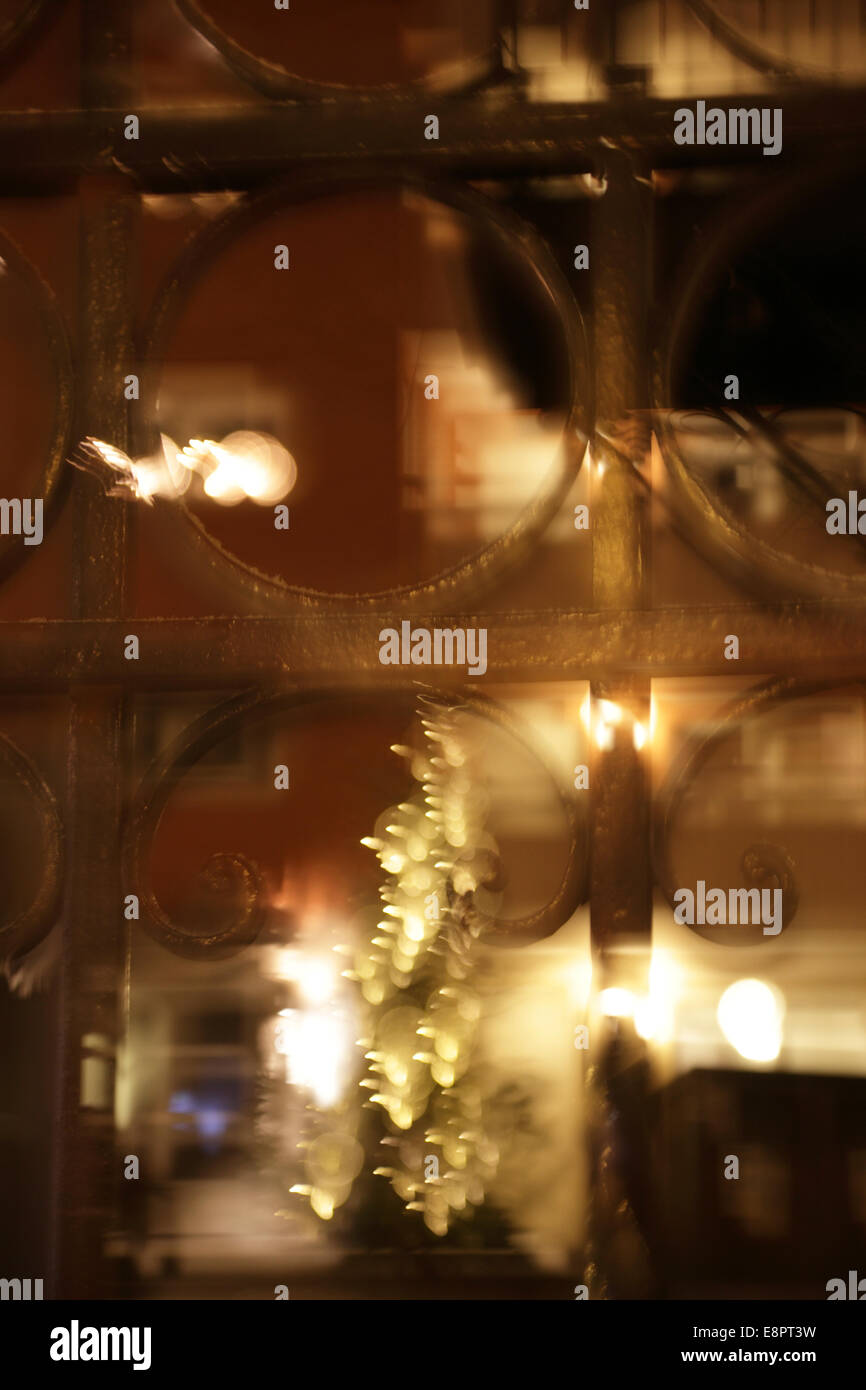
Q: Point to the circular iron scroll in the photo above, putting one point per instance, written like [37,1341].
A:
[14,31]
[717,533]
[753,54]
[524,247]
[274,80]
[763,865]
[31,926]
[235,873]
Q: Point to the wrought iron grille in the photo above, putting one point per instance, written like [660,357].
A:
[277,645]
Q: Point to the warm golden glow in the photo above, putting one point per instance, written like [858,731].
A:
[750,1014]
[244,465]
[601,718]
[318,1048]
[157,475]
[617,1003]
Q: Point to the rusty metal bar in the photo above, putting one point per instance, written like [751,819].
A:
[489,134]
[621,867]
[220,652]
[92,950]
[621,875]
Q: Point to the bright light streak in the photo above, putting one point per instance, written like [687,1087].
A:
[245,464]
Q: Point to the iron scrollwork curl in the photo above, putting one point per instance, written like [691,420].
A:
[26,21]
[276,81]
[754,55]
[705,521]
[526,250]
[227,874]
[33,924]
[762,864]
[224,874]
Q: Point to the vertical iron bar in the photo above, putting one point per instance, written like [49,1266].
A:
[620,877]
[621,860]
[86,1179]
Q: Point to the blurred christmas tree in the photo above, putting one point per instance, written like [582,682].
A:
[417,973]
[417,976]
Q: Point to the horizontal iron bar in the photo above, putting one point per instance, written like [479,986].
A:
[483,135]
[204,653]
